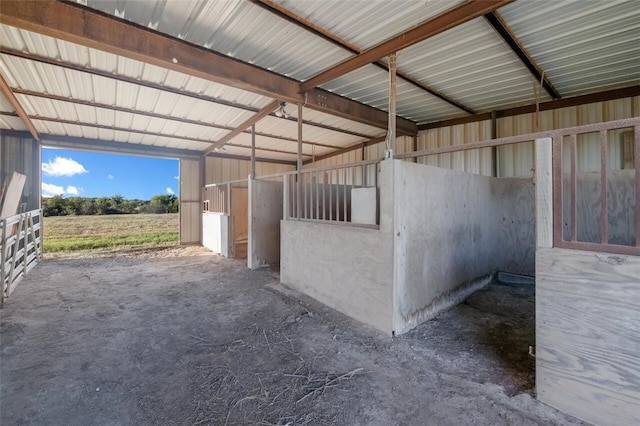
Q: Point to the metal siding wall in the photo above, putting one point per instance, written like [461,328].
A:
[518,160]
[478,161]
[190,202]
[224,169]
[22,155]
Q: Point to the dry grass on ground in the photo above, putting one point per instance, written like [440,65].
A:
[79,236]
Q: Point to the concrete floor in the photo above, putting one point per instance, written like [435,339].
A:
[199,339]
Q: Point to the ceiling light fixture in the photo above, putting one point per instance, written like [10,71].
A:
[280,112]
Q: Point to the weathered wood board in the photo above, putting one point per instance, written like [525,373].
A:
[588,335]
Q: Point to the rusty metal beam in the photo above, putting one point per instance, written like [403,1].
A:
[608,95]
[447,20]
[359,145]
[244,125]
[93,29]
[77,101]
[307,25]
[11,97]
[131,80]
[502,29]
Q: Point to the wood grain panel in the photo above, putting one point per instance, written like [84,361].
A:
[588,335]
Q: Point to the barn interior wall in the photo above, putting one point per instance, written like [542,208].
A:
[518,159]
[452,229]
[22,155]
[239,217]
[218,170]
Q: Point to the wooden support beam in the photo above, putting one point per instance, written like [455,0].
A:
[307,25]
[244,125]
[253,151]
[93,29]
[447,20]
[11,97]
[502,29]
[609,95]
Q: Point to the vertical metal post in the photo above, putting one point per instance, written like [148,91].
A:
[574,189]
[494,150]
[253,151]
[228,206]
[604,212]
[392,103]
[299,164]
[285,197]
[556,157]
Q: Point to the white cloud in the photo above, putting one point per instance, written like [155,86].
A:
[49,190]
[170,191]
[111,177]
[61,166]
[176,177]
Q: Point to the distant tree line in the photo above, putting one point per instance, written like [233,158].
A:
[59,205]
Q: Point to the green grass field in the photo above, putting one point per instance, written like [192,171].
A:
[111,232]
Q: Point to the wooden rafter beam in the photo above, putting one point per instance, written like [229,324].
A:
[110,107]
[93,29]
[609,95]
[504,31]
[11,97]
[447,20]
[244,126]
[151,85]
[307,25]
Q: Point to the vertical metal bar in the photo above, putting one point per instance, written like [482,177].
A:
[392,102]
[253,151]
[228,206]
[330,180]
[317,195]
[636,165]
[557,190]
[285,197]
[574,192]
[324,196]
[305,198]
[604,212]
[344,194]
[494,150]
[299,163]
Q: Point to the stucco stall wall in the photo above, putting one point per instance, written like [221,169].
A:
[347,268]
[265,214]
[215,232]
[587,335]
[452,230]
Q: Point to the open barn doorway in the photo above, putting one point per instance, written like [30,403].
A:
[99,203]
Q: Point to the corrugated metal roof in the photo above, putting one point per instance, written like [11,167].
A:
[471,64]
[235,28]
[367,23]
[581,46]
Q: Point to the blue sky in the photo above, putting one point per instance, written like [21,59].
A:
[88,174]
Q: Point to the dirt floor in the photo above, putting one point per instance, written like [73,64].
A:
[185,337]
